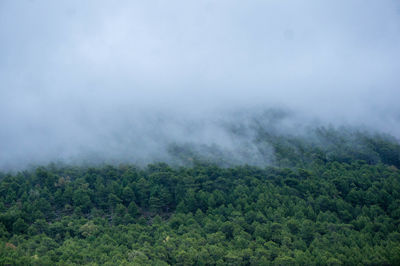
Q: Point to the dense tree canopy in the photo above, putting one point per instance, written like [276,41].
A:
[315,207]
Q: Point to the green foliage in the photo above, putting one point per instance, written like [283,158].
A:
[317,209]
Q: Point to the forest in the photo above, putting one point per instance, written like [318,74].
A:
[199,133]
[333,199]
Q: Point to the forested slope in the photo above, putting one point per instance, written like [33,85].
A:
[320,204]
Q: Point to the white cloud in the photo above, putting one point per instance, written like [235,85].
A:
[72,73]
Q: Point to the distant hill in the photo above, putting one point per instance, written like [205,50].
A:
[328,197]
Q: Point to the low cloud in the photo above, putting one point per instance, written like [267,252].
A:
[123,81]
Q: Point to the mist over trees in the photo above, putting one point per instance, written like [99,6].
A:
[120,82]
[199,132]
[322,204]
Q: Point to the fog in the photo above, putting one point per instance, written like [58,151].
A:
[122,81]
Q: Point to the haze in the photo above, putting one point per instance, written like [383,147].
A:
[121,80]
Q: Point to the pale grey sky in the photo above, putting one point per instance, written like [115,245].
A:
[80,76]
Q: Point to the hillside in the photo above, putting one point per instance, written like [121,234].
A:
[317,204]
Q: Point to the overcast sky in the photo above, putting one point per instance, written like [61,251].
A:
[80,76]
